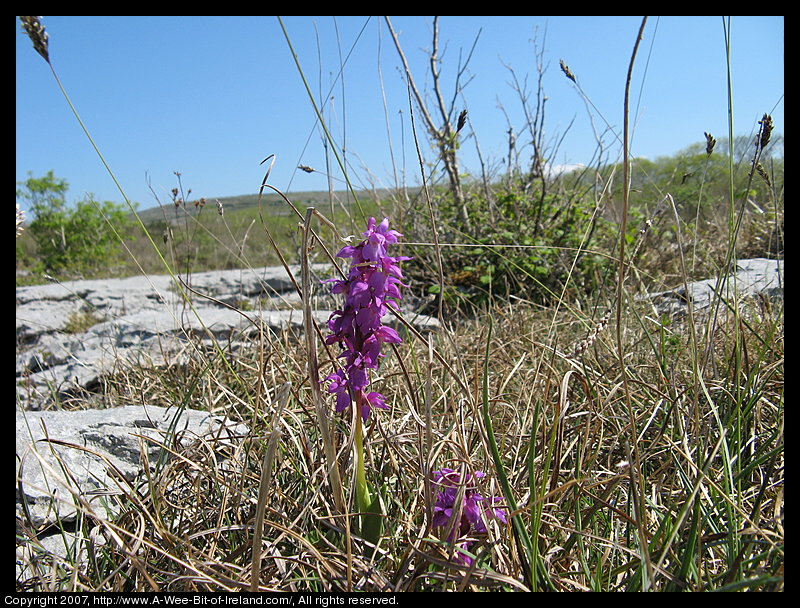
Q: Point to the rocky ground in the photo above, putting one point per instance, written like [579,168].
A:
[757,277]
[70,335]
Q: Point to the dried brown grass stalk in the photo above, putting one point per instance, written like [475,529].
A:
[35,30]
[581,347]
[281,398]
[313,369]
[20,220]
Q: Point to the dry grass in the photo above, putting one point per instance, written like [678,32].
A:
[710,450]
[633,453]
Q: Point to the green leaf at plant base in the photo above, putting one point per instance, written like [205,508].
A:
[372,520]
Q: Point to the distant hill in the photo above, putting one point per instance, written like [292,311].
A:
[301,200]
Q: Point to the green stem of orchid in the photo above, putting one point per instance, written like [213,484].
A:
[363,499]
[371,516]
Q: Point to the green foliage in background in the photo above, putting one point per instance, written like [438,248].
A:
[530,245]
[74,239]
[534,241]
[699,181]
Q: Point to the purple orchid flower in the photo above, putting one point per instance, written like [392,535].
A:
[475,509]
[372,286]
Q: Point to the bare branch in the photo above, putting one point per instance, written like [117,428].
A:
[443,137]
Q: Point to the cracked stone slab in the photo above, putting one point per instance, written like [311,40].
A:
[750,277]
[88,449]
[141,319]
[48,308]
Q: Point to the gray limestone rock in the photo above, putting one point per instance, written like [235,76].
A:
[92,460]
[48,308]
[93,453]
[71,335]
[750,277]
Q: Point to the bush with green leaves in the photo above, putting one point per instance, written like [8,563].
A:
[530,245]
[71,239]
[698,181]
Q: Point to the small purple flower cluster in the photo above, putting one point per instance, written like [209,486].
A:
[474,509]
[372,285]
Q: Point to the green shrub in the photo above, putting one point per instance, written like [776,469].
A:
[71,239]
[528,245]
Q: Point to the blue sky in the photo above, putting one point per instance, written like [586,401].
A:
[211,97]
